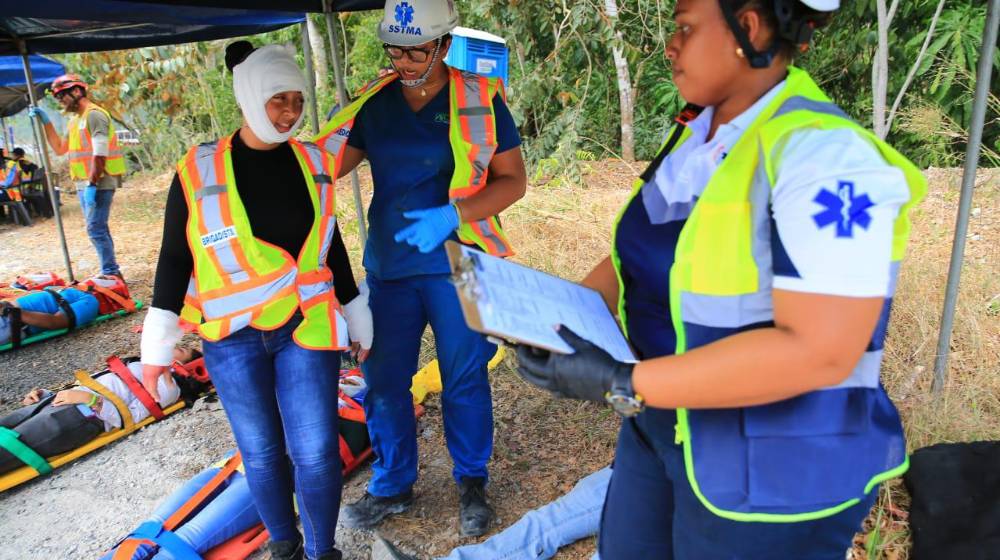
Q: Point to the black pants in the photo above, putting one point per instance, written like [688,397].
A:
[49,430]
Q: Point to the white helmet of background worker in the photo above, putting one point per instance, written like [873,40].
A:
[408,23]
[822,5]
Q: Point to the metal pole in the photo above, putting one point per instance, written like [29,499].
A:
[333,34]
[310,78]
[49,179]
[6,139]
[983,77]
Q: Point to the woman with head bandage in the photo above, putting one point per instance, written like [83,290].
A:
[445,160]
[252,261]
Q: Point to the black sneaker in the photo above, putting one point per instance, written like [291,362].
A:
[474,513]
[285,550]
[370,510]
[385,550]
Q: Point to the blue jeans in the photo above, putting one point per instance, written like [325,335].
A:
[541,532]
[281,400]
[401,310]
[652,512]
[96,216]
[229,513]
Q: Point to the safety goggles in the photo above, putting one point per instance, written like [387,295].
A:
[415,54]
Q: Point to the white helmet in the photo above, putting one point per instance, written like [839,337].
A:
[408,23]
[822,5]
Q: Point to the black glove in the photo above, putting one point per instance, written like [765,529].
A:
[586,374]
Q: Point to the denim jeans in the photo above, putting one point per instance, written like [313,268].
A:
[229,513]
[401,309]
[281,400]
[541,532]
[96,216]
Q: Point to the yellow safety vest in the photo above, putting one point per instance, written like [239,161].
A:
[10,166]
[813,455]
[81,147]
[473,142]
[240,280]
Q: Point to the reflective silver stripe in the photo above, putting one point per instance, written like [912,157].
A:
[240,322]
[210,190]
[473,111]
[192,287]
[799,103]
[484,226]
[476,122]
[216,308]
[865,374]
[324,247]
[309,291]
[211,212]
[727,312]
[335,142]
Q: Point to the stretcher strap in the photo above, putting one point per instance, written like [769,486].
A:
[65,306]
[83,378]
[118,368]
[125,303]
[9,441]
[16,326]
[153,532]
[196,500]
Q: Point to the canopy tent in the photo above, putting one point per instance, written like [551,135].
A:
[14,91]
[317,6]
[105,25]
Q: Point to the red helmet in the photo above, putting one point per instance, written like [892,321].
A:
[66,82]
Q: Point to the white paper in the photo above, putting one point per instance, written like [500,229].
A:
[524,304]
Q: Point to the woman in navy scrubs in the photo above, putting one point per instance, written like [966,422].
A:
[445,160]
[753,271]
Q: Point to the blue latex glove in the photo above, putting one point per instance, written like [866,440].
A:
[433,226]
[90,194]
[40,113]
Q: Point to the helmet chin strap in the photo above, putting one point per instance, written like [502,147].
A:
[422,79]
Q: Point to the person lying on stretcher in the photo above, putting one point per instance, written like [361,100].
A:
[54,423]
[64,307]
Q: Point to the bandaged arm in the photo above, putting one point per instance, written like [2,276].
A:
[160,333]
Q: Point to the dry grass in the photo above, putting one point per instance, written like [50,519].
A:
[544,446]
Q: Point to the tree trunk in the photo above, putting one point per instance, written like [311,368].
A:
[625,94]
[880,72]
[319,54]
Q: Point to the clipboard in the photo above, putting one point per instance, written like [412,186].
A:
[519,304]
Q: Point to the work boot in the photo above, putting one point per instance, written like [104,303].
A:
[285,550]
[474,513]
[334,555]
[370,510]
[385,550]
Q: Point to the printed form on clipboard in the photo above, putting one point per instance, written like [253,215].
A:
[517,303]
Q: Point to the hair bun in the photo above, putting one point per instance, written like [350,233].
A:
[237,52]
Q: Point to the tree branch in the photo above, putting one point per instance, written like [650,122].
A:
[916,65]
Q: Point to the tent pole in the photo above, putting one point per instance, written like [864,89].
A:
[333,34]
[6,139]
[50,181]
[983,77]
[310,78]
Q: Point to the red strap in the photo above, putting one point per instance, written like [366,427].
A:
[126,304]
[123,373]
[195,501]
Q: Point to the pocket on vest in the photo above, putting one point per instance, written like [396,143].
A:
[809,450]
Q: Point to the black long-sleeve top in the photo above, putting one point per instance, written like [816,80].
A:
[276,197]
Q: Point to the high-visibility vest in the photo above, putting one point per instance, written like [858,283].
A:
[10,166]
[473,142]
[810,456]
[240,280]
[81,147]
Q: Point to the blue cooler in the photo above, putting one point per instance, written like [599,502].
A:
[478,51]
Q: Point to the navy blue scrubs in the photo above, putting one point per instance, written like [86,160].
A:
[412,165]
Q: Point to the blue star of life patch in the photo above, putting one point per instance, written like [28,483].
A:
[404,14]
[843,209]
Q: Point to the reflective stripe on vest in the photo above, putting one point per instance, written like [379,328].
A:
[838,442]
[241,281]
[81,149]
[472,135]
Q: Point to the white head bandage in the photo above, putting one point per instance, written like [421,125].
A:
[268,70]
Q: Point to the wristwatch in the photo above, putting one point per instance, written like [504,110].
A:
[621,396]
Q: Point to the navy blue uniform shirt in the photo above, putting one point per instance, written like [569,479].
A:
[412,165]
